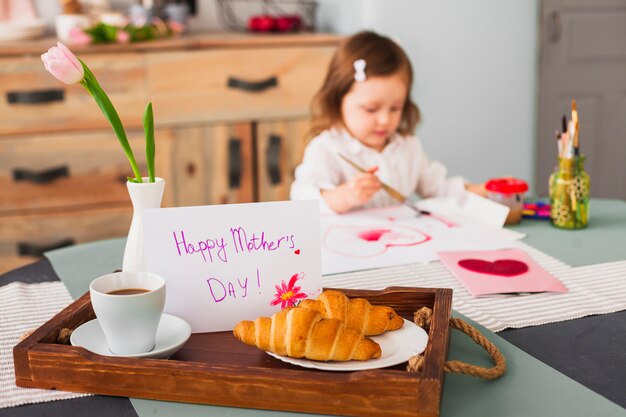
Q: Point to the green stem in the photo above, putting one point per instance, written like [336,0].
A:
[91,85]
[148,128]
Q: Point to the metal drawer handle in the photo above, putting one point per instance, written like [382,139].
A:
[34,249]
[252,85]
[272,155]
[36,96]
[40,177]
[554,27]
[234,163]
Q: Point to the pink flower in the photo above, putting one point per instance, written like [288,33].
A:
[177,28]
[122,36]
[63,64]
[79,37]
[287,295]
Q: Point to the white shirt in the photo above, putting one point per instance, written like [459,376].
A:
[402,164]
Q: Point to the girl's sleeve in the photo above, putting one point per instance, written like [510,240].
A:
[433,180]
[319,170]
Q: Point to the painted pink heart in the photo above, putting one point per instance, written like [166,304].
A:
[366,242]
[373,235]
[501,267]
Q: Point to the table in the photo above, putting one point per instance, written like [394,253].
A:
[588,355]
[567,346]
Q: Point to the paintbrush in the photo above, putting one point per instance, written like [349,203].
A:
[557,133]
[397,195]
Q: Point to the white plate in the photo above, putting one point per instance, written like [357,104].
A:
[397,346]
[171,335]
[36,24]
[22,30]
[20,36]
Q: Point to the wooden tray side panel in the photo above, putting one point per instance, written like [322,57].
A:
[355,394]
[438,335]
[436,352]
[72,316]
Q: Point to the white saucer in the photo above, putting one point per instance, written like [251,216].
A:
[397,347]
[171,335]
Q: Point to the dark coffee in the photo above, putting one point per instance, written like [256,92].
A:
[128,291]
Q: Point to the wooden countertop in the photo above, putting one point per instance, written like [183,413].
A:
[191,41]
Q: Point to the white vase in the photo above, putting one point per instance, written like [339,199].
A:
[142,195]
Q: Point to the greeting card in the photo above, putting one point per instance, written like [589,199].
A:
[228,263]
[508,271]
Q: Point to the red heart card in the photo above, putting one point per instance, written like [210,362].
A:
[499,272]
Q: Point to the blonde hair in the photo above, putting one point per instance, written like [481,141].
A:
[383,57]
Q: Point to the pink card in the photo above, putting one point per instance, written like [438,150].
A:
[499,272]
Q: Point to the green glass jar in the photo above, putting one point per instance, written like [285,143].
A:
[569,194]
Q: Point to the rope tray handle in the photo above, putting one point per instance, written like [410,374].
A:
[422,318]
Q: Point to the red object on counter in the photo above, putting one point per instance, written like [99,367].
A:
[296,21]
[268,23]
[507,185]
[283,24]
[261,23]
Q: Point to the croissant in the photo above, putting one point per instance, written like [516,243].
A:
[356,313]
[302,332]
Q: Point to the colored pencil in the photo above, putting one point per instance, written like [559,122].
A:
[576,129]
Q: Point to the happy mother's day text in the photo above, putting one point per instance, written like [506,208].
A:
[237,242]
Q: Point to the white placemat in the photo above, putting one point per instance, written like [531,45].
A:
[25,307]
[594,289]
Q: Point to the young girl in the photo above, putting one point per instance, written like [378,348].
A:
[364,113]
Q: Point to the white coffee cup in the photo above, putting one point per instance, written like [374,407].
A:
[129,321]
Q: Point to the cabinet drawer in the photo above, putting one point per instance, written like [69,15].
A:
[51,171]
[223,85]
[33,233]
[32,100]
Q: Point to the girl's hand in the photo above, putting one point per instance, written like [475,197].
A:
[357,191]
[363,186]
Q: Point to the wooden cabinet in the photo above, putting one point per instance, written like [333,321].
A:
[231,117]
[208,164]
[266,82]
[280,149]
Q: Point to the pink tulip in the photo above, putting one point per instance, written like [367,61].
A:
[122,37]
[63,64]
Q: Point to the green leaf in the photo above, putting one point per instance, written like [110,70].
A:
[91,84]
[148,128]
[102,33]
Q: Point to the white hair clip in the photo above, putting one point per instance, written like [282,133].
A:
[359,70]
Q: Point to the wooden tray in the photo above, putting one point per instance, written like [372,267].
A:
[215,368]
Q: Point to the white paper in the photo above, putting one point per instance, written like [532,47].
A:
[395,236]
[227,263]
[471,208]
